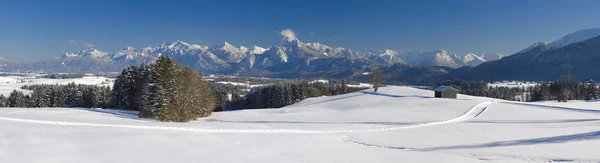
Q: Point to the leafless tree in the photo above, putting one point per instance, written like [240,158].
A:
[376,78]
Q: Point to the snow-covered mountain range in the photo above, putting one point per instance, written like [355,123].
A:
[289,51]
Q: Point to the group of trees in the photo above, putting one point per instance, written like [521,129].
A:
[290,92]
[163,90]
[71,95]
[559,90]
[63,76]
[564,90]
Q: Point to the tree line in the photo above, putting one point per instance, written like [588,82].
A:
[63,76]
[289,92]
[564,90]
[70,95]
[560,90]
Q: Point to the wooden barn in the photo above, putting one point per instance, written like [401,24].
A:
[445,92]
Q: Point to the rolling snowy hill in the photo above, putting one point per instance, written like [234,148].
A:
[397,124]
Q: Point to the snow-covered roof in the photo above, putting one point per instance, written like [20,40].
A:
[441,88]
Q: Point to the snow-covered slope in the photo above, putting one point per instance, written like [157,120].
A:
[396,124]
[577,36]
[533,46]
[472,59]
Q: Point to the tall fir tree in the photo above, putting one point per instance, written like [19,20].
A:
[592,91]
[162,83]
[141,96]
[123,89]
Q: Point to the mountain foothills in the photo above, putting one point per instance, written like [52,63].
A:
[292,58]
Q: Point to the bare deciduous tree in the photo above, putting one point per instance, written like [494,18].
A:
[376,78]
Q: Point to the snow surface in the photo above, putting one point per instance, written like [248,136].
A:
[512,84]
[241,84]
[396,124]
[10,83]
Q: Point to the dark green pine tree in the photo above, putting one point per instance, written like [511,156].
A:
[162,83]
[17,99]
[592,91]
[74,95]
[123,89]
[141,93]
[40,97]
[3,101]
[58,97]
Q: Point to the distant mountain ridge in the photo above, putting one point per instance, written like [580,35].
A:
[292,58]
[227,58]
[541,63]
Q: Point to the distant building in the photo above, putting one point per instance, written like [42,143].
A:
[445,92]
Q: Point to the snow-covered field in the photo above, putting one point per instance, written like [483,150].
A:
[396,124]
[512,84]
[10,83]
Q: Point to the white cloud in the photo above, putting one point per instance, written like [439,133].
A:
[81,43]
[288,34]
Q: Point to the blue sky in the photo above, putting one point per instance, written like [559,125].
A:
[40,30]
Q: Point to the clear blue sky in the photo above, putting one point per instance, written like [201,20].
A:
[39,30]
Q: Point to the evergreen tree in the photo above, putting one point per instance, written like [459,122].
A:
[592,92]
[123,89]
[3,101]
[74,95]
[162,83]
[40,97]
[17,99]
[344,86]
[141,96]
[58,97]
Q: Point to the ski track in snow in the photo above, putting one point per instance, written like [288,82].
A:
[471,113]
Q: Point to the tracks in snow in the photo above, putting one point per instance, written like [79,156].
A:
[471,113]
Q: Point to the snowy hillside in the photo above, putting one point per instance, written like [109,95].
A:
[397,124]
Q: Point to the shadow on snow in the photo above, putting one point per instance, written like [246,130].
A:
[544,140]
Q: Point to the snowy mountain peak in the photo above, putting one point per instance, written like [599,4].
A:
[577,36]
[129,48]
[92,52]
[257,50]
[390,52]
[473,59]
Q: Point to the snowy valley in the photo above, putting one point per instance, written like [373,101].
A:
[395,124]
